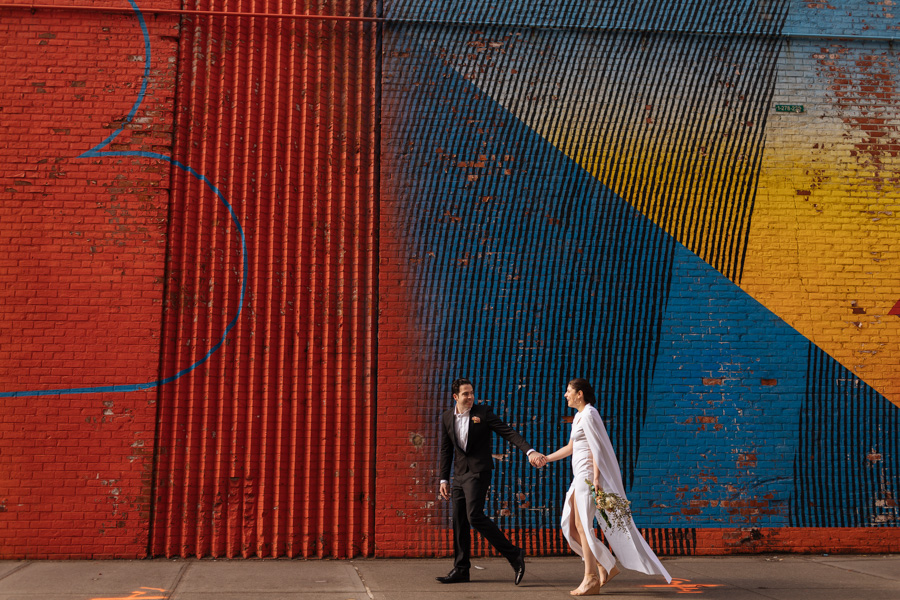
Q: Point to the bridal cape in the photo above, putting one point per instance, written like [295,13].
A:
[591,440]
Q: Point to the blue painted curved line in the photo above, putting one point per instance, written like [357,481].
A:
[93,151]
[97,151]
[244,269]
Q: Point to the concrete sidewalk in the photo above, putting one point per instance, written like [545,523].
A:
[782,577]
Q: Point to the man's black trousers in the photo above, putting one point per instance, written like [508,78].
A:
[468,495]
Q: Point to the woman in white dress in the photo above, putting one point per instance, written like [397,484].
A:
[593,459]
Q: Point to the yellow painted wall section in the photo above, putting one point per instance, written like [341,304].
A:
[824,253]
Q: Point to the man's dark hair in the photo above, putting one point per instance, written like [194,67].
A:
[459,383]
[582,385]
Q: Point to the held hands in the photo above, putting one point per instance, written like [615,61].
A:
[537,460]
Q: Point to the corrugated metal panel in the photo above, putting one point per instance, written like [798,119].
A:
[266,449]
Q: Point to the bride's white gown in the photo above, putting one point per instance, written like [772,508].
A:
[590,439]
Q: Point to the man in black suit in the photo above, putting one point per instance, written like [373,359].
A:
[466,432]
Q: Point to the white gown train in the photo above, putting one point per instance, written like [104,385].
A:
[591,440]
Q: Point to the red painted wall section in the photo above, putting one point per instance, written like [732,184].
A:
[406,488]
[82,248]
[266,449]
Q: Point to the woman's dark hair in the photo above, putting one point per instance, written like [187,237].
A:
[458,384]
[582,385]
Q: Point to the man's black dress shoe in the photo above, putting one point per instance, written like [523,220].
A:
[518,566]
[455,576]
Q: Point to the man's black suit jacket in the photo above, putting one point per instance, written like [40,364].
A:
[477,455]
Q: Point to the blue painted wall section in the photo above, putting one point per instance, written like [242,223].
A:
[530,272]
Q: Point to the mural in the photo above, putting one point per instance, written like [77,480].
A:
[601,198]
[691,204]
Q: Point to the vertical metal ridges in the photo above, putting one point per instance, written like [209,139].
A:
[266,449]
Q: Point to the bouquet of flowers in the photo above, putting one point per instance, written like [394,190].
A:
[614,509]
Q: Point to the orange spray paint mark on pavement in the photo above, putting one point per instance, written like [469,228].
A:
[684,586]
[144,593]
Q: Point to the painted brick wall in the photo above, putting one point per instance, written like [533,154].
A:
[82,261]
[628,204]
[616,197]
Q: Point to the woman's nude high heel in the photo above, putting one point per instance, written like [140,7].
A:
[604,576]
[592,590]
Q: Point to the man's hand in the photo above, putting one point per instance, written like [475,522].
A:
[537,459]
[445,490]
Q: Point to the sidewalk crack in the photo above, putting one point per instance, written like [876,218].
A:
[17,569]
[363,581]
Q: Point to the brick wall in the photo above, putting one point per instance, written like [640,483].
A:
[82,264]
[629,205]
[616,197]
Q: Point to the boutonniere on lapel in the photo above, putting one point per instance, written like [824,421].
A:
[476,419]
